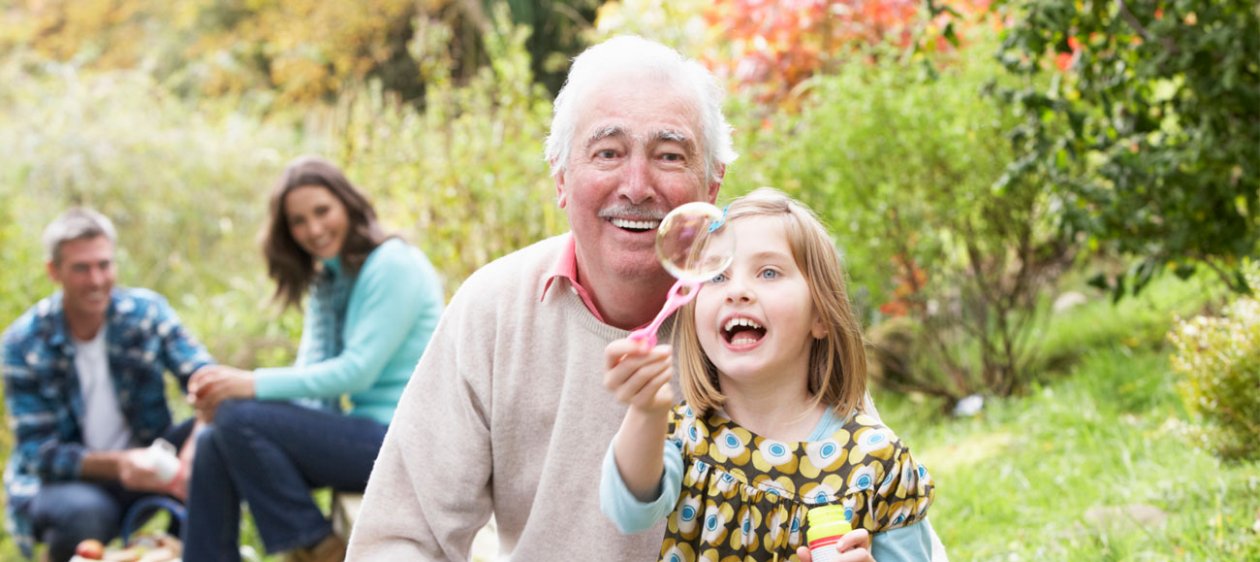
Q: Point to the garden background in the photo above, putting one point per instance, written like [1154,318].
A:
[1045,207]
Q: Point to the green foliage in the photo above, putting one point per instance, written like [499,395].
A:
[465,175]
[1151,123]
[1219,356]
[677,23]
[556,34]
[1139,323]
[908,171]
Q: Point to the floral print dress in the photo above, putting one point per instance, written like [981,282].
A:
[744,497]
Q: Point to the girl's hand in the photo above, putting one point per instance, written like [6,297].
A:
[639,376]
[854,546]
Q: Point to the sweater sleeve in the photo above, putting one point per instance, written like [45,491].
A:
[628,513]
[383,305]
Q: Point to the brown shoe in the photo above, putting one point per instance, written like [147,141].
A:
[331,549]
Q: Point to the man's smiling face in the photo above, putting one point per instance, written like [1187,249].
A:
[85,270]
[636,155]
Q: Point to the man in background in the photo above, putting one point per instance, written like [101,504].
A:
[84,390]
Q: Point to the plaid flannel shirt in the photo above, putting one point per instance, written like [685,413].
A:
[45,404]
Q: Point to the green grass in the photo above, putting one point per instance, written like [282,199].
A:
[1016,482]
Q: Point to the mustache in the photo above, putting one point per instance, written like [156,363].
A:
[630,210]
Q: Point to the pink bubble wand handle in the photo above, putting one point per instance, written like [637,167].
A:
[681,293]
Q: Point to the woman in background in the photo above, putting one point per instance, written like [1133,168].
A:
[276,434]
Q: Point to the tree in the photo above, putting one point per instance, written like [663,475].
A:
[1150,124]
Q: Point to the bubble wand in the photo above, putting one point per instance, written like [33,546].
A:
[690,246]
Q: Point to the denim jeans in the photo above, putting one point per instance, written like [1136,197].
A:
[271,455]
[65,513]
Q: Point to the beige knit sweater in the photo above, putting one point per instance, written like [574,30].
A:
[505,413]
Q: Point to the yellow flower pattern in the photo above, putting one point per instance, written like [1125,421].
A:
[744,497]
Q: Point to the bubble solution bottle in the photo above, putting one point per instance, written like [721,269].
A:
[826,525]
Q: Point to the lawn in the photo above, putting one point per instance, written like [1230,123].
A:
[1096,462]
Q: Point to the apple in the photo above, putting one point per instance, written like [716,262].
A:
[91,549]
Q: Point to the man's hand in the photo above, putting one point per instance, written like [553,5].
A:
[854,546]
[213,384]
[638,376]
[136,473]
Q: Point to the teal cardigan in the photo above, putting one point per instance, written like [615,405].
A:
[393,309]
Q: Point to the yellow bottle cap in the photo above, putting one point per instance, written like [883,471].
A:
[826,521]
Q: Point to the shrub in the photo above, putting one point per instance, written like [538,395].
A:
[1219,358]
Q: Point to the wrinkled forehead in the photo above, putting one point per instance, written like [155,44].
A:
[637,95]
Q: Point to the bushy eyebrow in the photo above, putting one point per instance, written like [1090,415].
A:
[679,137]
[672,136]
[663,135]
[606,132]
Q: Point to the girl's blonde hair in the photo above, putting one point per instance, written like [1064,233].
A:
[837,361]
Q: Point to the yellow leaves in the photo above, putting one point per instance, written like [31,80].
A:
[303,49]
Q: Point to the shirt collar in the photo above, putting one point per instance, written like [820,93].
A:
[332,265]
[566,268]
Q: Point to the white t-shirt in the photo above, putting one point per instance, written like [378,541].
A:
[104,428]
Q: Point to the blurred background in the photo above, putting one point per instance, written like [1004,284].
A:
[1044,206]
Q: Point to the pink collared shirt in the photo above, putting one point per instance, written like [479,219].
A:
[566,268]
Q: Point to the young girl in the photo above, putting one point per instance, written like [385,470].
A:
[774,420]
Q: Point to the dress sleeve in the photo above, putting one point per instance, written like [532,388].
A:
[905,490]
[628,513]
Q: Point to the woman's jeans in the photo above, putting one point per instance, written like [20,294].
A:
[271,455]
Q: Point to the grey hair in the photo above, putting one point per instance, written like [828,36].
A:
[77,223]
[628,55]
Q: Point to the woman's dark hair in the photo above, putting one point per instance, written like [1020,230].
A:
[292,267]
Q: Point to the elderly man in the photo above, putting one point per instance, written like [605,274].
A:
[506,413]
[83,385]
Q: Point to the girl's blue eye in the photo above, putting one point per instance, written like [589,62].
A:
[770,273]
[718,278]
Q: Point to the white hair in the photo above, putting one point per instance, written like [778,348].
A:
[77,223]
[631,55]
